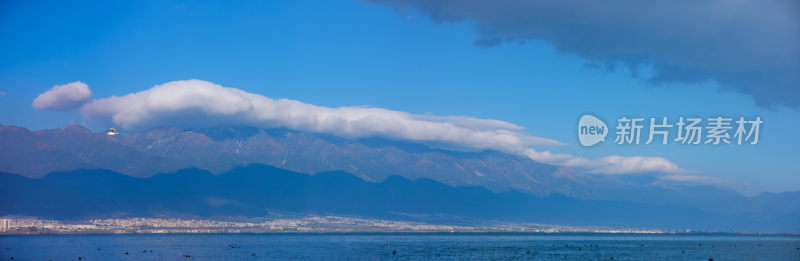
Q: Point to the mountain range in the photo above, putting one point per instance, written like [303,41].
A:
[260,190]
[34,154]
[47,158]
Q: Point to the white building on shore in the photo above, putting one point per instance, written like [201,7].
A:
[4,224]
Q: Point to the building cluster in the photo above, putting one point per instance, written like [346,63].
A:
[300,224]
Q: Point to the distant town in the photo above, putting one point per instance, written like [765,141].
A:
[313,224]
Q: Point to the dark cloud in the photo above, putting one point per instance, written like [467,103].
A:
[751,46]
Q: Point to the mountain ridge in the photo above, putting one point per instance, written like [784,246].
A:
[169,149]
[219,150]
[258,190]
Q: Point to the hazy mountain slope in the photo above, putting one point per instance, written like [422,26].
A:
[220,149]
[108,152]
[27,153]
[257,190]
[185,147]
[375,159]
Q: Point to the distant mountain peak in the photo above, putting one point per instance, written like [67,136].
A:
[78,128]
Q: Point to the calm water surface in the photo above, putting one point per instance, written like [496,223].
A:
[399,247]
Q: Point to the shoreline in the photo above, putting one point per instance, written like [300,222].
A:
[457,233]
[322,225]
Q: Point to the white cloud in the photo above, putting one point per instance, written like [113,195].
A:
[64,97]
[609,164]
[694,179]
[196,103]
[2,93]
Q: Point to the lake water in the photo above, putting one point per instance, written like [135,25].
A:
[399,246]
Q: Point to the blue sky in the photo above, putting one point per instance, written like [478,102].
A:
[347,53]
